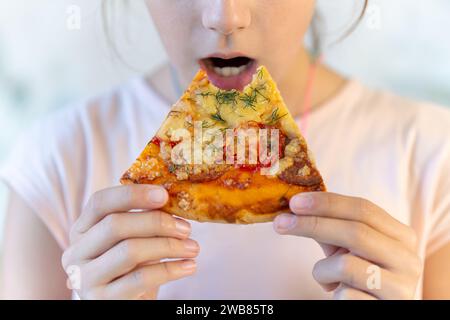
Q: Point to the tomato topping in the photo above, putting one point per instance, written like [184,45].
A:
[157,141]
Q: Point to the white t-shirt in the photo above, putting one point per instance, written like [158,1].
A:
[371,144]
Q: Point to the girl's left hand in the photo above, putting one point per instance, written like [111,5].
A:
[369,254]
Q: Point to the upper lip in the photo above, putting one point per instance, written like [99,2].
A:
[229,55]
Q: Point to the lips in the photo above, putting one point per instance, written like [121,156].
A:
[227,72]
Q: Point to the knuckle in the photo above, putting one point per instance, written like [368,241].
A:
[360,233]
[345,264]
[165,220]
[129,194]
[327,201]
[346,269]
[170,244]
[94,203]
[366,209]
[140,278]
[161,220]
[311,224]
[168,272]
[127,250]
[364,205]
[111,225]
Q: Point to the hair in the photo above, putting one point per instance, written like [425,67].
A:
[317,45]
[108,8]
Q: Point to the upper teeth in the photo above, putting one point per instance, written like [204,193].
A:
[229,71]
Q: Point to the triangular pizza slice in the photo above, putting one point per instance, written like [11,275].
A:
[228,156]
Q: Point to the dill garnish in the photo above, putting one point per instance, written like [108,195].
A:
[258,91]
[206,124]
[274,117]
[260,73]
[226,97]
[249,100]
[216,116]
[204,94]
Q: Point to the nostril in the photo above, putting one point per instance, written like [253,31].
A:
[227,18]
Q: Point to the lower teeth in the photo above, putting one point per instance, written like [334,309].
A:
[229,71]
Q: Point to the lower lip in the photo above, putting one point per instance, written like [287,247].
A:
[237,82]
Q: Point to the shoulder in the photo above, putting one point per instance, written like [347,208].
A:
[125,111]
[111,109]
[390,115]
[376,104]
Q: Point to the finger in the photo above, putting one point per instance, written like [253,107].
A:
[120,199]
[119,226]
[344,292]
[330,286]
[129,254]
[332,205]
[357,237]
[138,282]
[328,249]
[358,274]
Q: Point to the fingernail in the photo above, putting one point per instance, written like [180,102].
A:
[182,227]
[302,202]
[158,195]
[190,245]
[188,265]
[285,221]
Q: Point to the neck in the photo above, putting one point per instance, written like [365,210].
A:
[294,85]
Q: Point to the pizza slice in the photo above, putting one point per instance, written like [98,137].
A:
[228,156]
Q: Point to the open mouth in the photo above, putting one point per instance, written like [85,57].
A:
[232,73]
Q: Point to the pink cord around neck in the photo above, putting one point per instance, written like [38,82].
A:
[307,99]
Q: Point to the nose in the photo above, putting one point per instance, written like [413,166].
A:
[226,16]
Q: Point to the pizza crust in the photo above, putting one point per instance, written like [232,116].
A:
[214,201]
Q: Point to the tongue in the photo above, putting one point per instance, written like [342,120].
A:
[237,82]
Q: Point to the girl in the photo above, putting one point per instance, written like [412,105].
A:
[382,233]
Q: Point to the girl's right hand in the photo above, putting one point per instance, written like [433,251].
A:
[115,254]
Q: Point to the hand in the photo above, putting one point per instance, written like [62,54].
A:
[358,239]
[118,252]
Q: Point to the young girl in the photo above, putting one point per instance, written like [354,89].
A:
[382,232]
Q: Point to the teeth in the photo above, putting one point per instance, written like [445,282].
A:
[226,71]
[229,71]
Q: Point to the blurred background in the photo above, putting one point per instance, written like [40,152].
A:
[55,52]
